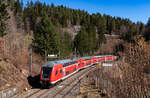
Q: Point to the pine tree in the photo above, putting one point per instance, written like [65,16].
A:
[18,6]
[113,26]
[46,39]
[4,16]
[101,39]
[101,27]
[141,28]
[148,22]
[147,31]
[66,44]
[82,42]
[91,30]
[131,33]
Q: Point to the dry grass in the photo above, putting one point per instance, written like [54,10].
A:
[14,49]
[130,78]
[21,58]
[109,47]
[88,91]
[15,60]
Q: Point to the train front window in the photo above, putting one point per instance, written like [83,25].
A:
[47,72]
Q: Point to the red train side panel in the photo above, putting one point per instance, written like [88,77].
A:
[53,71]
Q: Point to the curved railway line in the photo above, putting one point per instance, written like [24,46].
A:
[62,88]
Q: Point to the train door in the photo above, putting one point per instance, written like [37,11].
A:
[63,72]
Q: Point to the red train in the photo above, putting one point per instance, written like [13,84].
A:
[54,71]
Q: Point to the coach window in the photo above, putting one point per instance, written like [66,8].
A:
[75,69]
[60,70]
[56,72]
[67,73]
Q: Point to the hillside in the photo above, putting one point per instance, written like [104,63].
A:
[66,32]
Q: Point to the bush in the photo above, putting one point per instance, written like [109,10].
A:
[129,79]
[134,81]
[21,58]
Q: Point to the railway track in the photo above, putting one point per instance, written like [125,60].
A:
[58,93]
[71,85]
[69,90]
[62,88]
[33,93]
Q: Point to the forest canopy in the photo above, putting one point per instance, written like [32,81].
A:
[47,21]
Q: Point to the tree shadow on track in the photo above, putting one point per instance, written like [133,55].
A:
[34,81]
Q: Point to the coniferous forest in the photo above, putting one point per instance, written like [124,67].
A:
[47,22]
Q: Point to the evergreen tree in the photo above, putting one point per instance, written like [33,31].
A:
[66,44]
[140,27]
[147,34]
[113,26]
[131,33]
[147,31]
[4,16]
[18,6]
[148,22]
[85,41]
[91,30]
[93,25]
[101,28]
[46,39]
[82,42]
[101,39]
[108,24]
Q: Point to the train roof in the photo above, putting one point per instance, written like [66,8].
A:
[82,58]
[105,55]
[98,56]
[52,63]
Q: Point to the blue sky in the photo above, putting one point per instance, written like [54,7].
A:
[135,10]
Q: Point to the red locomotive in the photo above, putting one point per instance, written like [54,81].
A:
[54,71]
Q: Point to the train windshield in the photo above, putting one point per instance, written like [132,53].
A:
[47,72]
